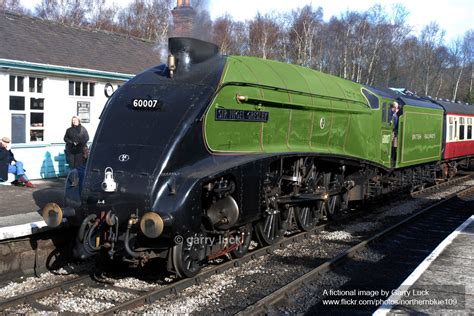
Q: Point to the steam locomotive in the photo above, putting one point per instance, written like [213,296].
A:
[194,158]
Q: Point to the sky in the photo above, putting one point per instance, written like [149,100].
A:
[453,16]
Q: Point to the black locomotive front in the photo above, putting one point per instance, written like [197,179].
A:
[140,178]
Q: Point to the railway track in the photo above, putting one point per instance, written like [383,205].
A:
[265,304]
[148,296]
[464,176]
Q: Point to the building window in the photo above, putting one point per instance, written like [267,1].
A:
[12,83]
[78,88]
[36,85]
[19,84]
[17,103]
[18,128]
[71,87]
[37,104]
[81,88]
[36,119]
[27,111]
[16,83]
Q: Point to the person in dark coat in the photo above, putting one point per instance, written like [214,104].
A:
[395,116]
[76,139]
[8,164]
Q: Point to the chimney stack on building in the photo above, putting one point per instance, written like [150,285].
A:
[183,19]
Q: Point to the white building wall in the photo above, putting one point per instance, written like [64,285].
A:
[60,107]
[45,159]
[5,125]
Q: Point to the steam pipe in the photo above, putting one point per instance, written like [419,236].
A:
[81,232]
[129,250]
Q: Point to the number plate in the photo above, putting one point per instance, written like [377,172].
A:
[145,104]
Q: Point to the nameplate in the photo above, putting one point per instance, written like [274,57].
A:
[241,115]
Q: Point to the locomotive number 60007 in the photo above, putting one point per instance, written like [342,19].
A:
[139,103]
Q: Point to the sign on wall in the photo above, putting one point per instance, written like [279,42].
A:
[84,111]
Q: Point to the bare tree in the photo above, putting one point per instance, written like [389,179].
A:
[305,25]
[372,47]
[148,19]
[223,29]
[13,6]
[264,34]
[71,12]
[102,17]
[468,52]
[457,64]
[431,39]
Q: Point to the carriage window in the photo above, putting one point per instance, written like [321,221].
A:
[469,128]
[373,100]
[455,129]
[461,128]
[450,134]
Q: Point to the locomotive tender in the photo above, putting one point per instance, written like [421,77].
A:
[213,147]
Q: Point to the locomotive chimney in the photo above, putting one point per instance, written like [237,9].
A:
[185,52]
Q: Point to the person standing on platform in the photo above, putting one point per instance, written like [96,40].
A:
[76,139]
[8,164]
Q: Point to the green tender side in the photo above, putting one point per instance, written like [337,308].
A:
[419,135]
[308,111]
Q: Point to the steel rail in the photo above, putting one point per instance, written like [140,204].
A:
[34,295]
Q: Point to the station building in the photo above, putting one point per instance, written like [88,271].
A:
[50,72]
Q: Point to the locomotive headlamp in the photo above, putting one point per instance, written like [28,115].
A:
[241,98]
[151,225]
[109,184]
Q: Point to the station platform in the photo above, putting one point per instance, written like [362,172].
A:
[443,283]
[20,207]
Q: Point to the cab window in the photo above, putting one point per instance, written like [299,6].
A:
[371,98]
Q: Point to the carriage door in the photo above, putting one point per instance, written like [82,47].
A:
[456,130]
[386,134]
